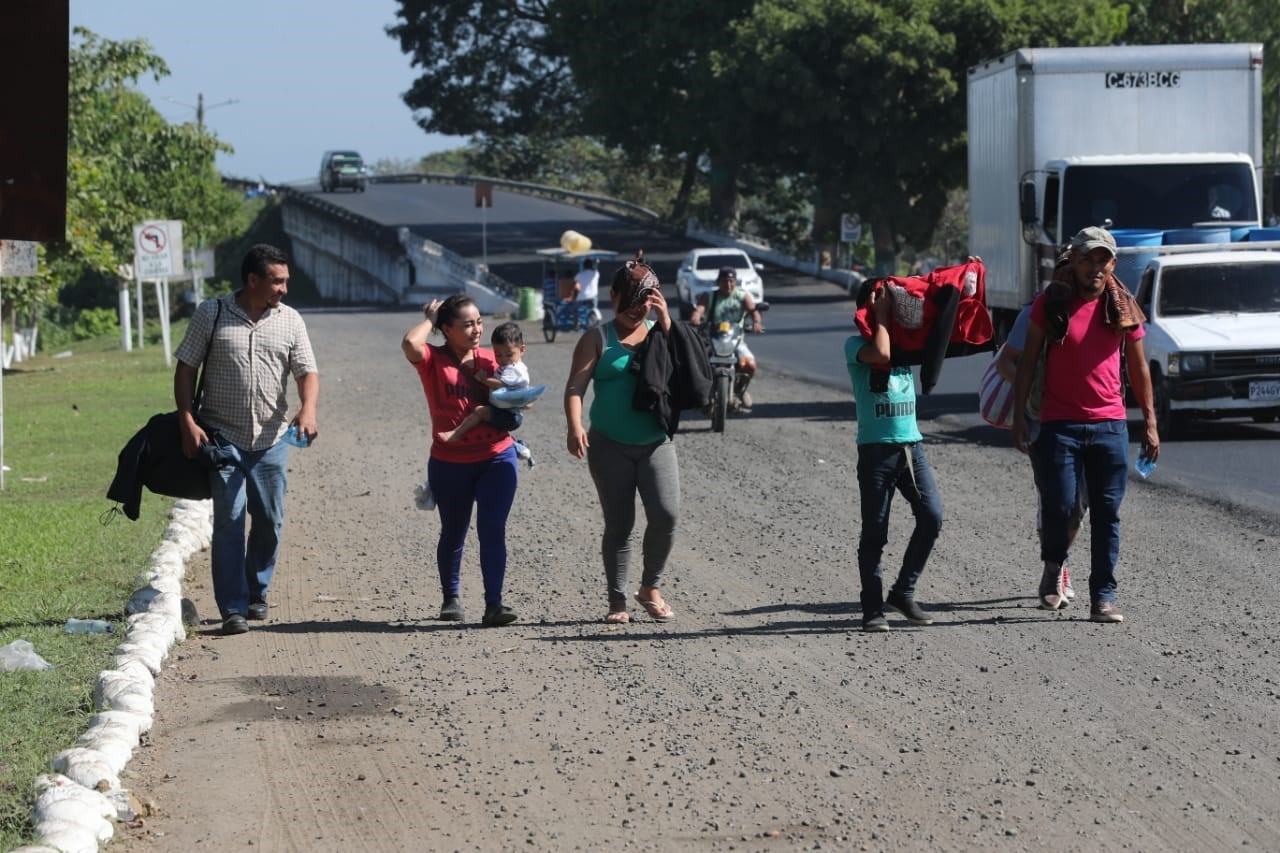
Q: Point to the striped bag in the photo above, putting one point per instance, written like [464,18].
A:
[995,397]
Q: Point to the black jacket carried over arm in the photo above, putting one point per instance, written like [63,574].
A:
[675,374]
[126,487]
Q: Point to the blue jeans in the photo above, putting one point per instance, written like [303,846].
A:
[1100,451]
[489,485]
[882,469]
[251,481]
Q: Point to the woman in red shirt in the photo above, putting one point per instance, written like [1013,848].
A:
[479,469]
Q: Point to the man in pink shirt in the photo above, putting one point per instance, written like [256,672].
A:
[1083,424]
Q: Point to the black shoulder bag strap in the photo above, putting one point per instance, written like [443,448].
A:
[204,365]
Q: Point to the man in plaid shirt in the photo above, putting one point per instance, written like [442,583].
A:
[253,343]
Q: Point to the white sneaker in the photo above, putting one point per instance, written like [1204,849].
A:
[1067,589]
[422,497]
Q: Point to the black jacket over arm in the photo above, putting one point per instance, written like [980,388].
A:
[675,374]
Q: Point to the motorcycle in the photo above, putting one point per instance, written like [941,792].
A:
[727,384]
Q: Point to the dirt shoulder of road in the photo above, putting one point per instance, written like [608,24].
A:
[761,718]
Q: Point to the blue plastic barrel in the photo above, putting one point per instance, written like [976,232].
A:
[1129,267]
[1178,236]
[1258,235]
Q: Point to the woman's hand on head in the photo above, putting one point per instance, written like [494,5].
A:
[657,303]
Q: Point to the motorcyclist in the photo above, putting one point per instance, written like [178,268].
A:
[727,304]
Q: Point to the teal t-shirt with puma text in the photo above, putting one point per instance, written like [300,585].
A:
[883,418]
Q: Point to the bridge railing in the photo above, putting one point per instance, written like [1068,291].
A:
[433,257]
[435,261]
[588,200]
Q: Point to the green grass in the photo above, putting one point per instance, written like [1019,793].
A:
[65,420]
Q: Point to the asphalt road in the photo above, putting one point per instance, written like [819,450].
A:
[1233,462]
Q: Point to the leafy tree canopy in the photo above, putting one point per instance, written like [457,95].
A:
[860,103]
[486,66]
[125,164]
[868,97]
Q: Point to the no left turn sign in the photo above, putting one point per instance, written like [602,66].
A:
[153,240]
[157,249]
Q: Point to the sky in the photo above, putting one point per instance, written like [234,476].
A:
[283,80]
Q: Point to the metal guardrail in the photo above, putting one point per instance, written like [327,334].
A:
[389,235]
[602,203]
[461,268]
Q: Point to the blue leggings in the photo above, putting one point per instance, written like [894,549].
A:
[491,486]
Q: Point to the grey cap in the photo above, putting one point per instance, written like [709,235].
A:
[1093,237]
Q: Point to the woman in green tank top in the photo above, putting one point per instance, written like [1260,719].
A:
[627,451]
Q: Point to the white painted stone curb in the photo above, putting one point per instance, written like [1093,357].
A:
[78,804]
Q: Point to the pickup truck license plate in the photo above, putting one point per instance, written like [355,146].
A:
[1264,390]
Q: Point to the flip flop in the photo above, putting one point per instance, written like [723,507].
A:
[617,617]
[658,611]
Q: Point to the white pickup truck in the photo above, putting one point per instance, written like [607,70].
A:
[1213,335]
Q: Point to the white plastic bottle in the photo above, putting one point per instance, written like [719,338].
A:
[89,626]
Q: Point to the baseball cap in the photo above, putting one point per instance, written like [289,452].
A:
[1093,237]
[727,272]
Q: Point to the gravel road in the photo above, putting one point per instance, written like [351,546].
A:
[761,718]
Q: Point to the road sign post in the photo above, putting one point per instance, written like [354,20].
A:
[850,228]
[484,201]
[157,254]
[17,258]
[125,273]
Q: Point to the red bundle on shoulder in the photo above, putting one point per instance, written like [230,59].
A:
[935,316]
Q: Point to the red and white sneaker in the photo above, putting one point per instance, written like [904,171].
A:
[1067,591]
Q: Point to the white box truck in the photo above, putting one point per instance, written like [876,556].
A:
[1136,139]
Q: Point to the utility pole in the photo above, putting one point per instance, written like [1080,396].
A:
[200,108]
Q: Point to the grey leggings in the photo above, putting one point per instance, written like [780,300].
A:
[619,471]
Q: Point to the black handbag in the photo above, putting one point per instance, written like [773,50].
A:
[153,457]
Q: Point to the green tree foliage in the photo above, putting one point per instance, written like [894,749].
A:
[868,97]
[854,94]
[853,104]
[125,163]
[585,164]
[646,81]
[486,67]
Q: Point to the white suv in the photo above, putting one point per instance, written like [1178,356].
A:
[698,271]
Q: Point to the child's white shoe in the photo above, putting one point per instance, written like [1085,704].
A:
[523,452]
[422,497]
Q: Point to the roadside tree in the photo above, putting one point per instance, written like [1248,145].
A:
[125,164]
[867,98]
[487,67]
